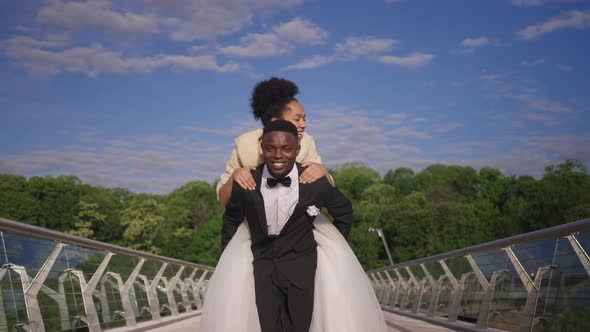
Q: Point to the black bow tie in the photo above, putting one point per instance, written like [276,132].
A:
[286,181]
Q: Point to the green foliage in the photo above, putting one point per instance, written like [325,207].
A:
[438,209]
[353,178]
[88,217]
[144,222]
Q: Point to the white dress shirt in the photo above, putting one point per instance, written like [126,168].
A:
[279,201]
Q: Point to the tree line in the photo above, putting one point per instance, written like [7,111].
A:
[440,208]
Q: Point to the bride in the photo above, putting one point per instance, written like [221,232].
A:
[343,297]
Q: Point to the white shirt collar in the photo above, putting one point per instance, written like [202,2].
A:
[293,174]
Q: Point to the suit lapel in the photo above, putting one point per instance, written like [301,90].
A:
[259,202]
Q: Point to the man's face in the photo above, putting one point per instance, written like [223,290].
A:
[279,150]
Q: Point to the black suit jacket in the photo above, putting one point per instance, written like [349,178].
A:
[293,251]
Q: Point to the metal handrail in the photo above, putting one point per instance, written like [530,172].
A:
[40,232]
[547,233]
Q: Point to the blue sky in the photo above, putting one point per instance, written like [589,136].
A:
[149,94]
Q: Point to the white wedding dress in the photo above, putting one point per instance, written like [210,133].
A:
[344,300]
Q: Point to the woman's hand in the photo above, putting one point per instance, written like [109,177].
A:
[312,172]
[243,177]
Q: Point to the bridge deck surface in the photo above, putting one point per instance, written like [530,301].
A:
[395,323]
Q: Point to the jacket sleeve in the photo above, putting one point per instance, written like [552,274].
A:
[232,164]
[312,154]
[339,208]
[232,217]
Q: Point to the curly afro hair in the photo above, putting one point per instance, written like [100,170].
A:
[270,97]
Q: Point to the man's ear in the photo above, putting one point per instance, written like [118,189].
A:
[298,148]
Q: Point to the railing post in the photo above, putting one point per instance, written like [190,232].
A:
[486,302]
[526,324]
[152,293]
[128,311]
[170,291]
[400,300]
[384,288]
[580,252]
[453,311]
[394,289]
[433,290]
[32,290]
[196,290]
[419,286]
[183,290]
[88,290]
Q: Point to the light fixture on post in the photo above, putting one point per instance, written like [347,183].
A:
[379,232]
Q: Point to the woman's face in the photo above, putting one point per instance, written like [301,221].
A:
[295,114]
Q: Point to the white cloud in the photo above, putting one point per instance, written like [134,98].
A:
[351,49]
[564,67]
[574,19]
[470,44]
[313,62]
[95,14]
[446,127]
[210,18]
[355,47]
[547,120]
[182,20]
[408,132]
[258,45]
[541,103]
[534,62]
[301,31]
[412,61]
[280,41]
[95,59]
[530,3]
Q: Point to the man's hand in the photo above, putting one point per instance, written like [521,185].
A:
[243,177]
[312,172]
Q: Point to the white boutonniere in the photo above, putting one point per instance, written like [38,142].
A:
[313,211]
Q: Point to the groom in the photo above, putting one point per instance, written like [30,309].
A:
[280,214]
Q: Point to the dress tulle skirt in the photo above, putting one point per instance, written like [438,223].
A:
[344,300]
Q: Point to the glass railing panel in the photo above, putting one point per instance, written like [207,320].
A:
[20,256]
[445,288]
[435,269]
[490,262]
[148,272]
[69,274]
[534,255]
[564,296]
[472,298]
[165,305]
[584,240]
[118,271]
[507,308]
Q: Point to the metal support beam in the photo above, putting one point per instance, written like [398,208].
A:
[128,310]
[526,324]
[197,290]
[580,252]
[31,289]
[88,290]
[394,289]
[454,306]
[488,289]
[400,298]
[152,292]
[170,286]
[522,274]
[183,286]
[433,290]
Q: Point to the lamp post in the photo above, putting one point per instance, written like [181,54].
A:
[379,232]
